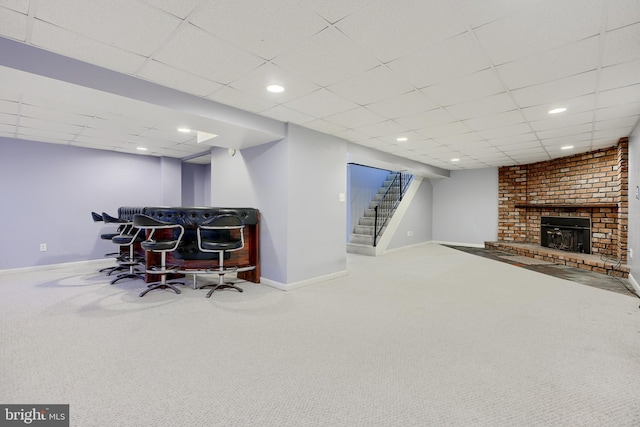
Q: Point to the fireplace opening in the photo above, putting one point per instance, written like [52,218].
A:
[572,234]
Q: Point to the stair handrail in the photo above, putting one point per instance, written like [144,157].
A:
[389,201]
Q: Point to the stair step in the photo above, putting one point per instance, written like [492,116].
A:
[361,239]
[366,220]
[364,229]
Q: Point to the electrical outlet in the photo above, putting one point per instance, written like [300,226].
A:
[43,247]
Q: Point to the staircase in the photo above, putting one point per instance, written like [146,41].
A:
[363,236]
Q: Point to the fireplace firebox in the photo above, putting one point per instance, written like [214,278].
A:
[572,234]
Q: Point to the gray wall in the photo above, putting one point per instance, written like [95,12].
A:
[196,184]
[465,207]
[634,205]
[48,192]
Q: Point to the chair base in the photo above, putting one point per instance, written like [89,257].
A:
[130,275]
[221,285]
[161,285]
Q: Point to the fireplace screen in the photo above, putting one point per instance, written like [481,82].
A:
[571,234]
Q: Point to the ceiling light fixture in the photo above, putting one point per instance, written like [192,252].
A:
[557,110]
[402,139]
[567,147]
[455,160]
[142,148]
[184,130]
[275,88]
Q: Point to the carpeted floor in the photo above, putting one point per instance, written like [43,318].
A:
[424,336]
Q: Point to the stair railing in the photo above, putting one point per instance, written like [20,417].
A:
[389,201]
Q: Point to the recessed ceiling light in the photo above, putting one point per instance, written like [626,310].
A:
[558,110]
[142,148]
[402,139]
[567,147]
[275,88]
[184,130]
[455,160]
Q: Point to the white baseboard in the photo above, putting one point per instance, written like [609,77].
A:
[301,283]
[53,266]
[634,283]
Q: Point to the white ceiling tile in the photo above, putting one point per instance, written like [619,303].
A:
[455,128]
[284,114]
[459,139]
[617,123]
[619,75]
[65,42]
[622,12]
[257,80]
[463,89]
[194,51]
[522,128]
[351,135]
[558,90]
[550,144]
[478,13]
[391,29]
[539,28]
[165,75]
[256,26]
[324,126]
[341,58]
[50,125]
[372,143]
[457,56]
[239,99]
[180,8]
[557,132]
[499,120]
[14,24]
[573,105]
[45,133]
[21,6]
[626,110]
[619,96]
[513,139]
[104,20]
[556,121]
[10,107]
[334,11]
[498,103]
[54,115]
[612,133]
[435,117]
[370,86]
[384,128]
[406,104]
[565,61]
[8,119]
[354,118]
[621,45]
[7,129]
[321,103]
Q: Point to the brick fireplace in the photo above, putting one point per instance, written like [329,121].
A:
[591,185]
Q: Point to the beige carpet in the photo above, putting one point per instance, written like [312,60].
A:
[424,336]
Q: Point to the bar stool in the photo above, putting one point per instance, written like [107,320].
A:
[164,242]
[128,237]
[217,235]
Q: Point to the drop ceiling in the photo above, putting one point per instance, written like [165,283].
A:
[460,79]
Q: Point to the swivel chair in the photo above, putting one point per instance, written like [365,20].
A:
[165,241]
[109,236]
[128,237]
[221,234]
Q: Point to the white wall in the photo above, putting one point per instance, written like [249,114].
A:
[418,219]
[363,183]
[295,183]
[465,207]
